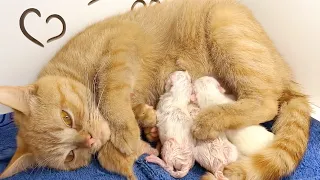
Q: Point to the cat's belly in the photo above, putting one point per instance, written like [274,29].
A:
[149,85]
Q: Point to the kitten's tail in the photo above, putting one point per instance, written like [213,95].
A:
[291,130]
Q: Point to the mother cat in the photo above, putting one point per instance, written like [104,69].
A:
[134,53]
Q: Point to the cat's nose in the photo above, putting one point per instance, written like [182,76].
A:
[85,140]
[89,141]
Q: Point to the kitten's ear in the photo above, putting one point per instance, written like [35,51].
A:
[21,160]
[17,98]
[221,89]
[168,85]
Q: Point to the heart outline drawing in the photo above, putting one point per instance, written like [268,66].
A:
[37,12]
[144,3]
[91,2]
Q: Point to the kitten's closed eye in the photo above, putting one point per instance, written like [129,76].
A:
[67,119]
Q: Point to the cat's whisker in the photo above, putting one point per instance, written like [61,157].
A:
[101,94]
[40,166]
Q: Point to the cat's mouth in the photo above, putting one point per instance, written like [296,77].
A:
[96,146]
[98,142]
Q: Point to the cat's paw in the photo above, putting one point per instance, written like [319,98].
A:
[145,115]
[234,171]
[151,134]
[126,139]
[147,149]
[203,127]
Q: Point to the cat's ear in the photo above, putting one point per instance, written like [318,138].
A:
[17,98]
[21,160]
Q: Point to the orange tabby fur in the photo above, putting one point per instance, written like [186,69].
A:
[146,117]
[136,51]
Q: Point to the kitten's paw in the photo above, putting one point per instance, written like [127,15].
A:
[145,115]
[234,171]
[147,149]
[151,134]
[154,159]
[126,139]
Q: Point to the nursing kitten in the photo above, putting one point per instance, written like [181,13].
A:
[134,53]
[212,154]
[248,140]
[174,123]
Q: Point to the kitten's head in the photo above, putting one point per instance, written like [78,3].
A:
[59,124]
[206,88]
[177,78]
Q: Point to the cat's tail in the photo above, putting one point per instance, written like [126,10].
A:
[291,130]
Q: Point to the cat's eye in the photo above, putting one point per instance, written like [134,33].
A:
[69,157]
[67,119]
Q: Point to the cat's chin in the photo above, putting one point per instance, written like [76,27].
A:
[96,146]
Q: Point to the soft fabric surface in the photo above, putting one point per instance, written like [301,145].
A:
[309,169]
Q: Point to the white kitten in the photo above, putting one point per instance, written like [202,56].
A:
[248,140]
[213,155]
[174,126]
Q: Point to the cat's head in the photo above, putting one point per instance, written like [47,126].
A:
[59,124]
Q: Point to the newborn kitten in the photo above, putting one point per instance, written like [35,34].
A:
[174,124]
[251,139]
[248,140]
[213,155]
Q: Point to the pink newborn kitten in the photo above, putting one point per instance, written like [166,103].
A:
[174,126]
[213,155]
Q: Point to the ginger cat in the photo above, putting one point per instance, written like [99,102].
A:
[134,53]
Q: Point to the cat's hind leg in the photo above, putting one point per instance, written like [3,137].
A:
[251,66]
[243,59]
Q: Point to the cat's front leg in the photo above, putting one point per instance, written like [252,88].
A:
[111,159]
[116,78]
[146,117]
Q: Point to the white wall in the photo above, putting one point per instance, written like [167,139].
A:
[21,59]
[294,25]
